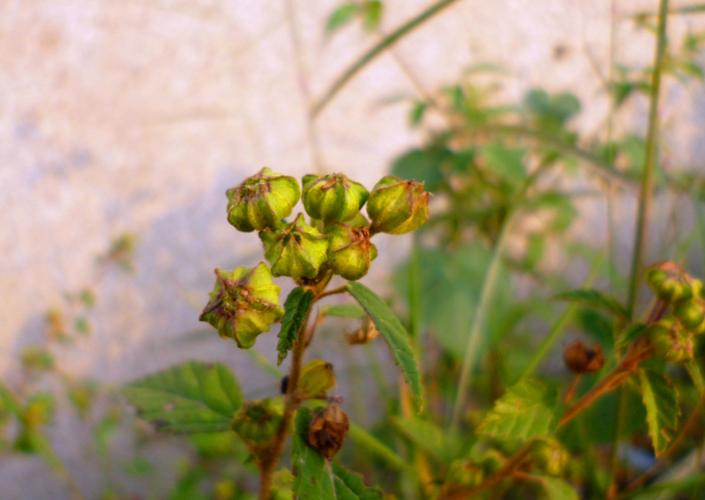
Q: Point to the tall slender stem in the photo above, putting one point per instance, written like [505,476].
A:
[649,159]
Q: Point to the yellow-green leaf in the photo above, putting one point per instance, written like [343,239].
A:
[295,308]
[662,410]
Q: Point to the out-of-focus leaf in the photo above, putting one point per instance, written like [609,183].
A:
[595,298]
[506,162]
[526,410]
[662,410]
[343,311]
[557,489]
[394,333]
[417,112]
[630,334]
[191,397]
[341,16]
[423,165]
[429,437]
[597,326]
[372,14]
[295,308]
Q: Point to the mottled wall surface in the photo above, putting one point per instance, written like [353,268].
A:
[136,115]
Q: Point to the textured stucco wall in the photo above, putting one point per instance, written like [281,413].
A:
[137,115]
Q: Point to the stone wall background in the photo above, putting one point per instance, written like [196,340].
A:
[126,115]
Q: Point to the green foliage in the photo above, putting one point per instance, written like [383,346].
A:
[526,411]
[662,410]
[558,489]
[295,309]
[597,299]
[191,397]
[343,311]
[395,335]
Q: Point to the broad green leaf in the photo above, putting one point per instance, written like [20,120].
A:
[595,298]
[429,437]
[343,311]
[631,333]
[662,411]
[506,162]
[398,340]
[557,489]
[349,485]
[526,410]
[341,16]
[191,397]
[312,476]
[295,308]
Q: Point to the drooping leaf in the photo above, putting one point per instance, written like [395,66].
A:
[315,478]
[662,410]
[394,333]
[526,410]
[343,311]
[191,397]
[295,309]
[340,17]
[557,489]
[630,334]
[595,298]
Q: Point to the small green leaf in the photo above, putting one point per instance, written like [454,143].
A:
[417,112]
[191,397]
[595,298]
[506,162]
[630,334]
[526,410]
[423,165]
[343,311]
[82,325]
[429,437]
[557,489]
[398,340]
[372,15]
[340,17]
[295,308]
[662,411]
[312,477]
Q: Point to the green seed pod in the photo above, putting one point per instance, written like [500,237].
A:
[655,277]
[691,313]
[349,250]
[261,201]
[358,221]
[333,198]
[243,304]
[464,473]
[298,250]
[397,207]
[697,287]
[674,290]
[549,457]
[258,421]
[670,342]
[317,378]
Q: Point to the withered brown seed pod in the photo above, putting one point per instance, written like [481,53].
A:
[581,359]
[328,430]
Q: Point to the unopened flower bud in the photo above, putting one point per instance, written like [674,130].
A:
[243,304]
[328,430]
[298,250]
[670,342]
[673,290]
[396,206]
[317,378]
[464,473]
[549,457]
[333,198]
[690,314]
[582,359]
[349,250]
[358,221]
[655,277]
[258,421]
[262,200]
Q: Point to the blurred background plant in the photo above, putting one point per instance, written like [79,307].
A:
[513,181]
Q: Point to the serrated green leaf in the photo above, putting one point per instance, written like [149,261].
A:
[343,311]
[398,340]
[557,489]
[295,308]
[630,334]
[340,17]
[349,485]
[662,411]
[191,397]
[526,410]
[595,298]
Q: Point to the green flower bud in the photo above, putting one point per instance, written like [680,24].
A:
[397,207]
[670,342]
[549,457]
[243,304]
[691,313]
[655,277]
[464,473]
[298,250]
[358,221]
[333,198]
[349,250]
[317,378]
[261,201]
[258,421]
[674,290]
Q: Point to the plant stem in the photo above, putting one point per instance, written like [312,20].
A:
[649,160]
[478,323]
[371,54]
[269,462]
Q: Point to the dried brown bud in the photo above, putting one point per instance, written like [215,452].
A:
[328,430]
[364,334]
[581,359]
